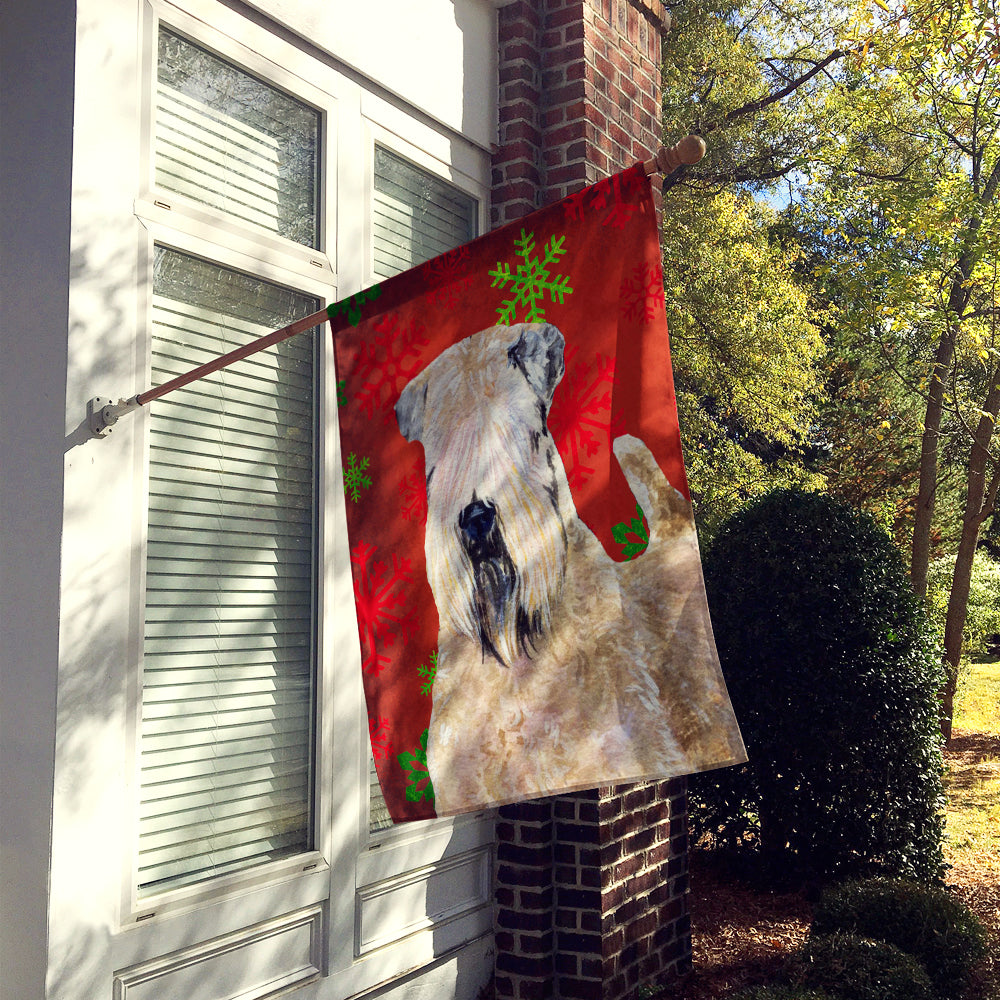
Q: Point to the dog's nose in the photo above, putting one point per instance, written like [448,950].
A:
[477,519]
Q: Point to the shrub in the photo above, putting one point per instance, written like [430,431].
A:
[982,620]
[856,968]
[925,922]
[833,673]
[782,993]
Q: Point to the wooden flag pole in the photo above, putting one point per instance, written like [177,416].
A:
[687,152]
[103,413]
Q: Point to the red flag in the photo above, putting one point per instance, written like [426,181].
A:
[529,621]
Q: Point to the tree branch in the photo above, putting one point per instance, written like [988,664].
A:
[753,107]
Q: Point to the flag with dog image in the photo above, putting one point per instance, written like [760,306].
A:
[531,611]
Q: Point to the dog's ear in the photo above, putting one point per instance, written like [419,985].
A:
[538,352]
[410,409]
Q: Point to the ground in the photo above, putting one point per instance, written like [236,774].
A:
[742,935]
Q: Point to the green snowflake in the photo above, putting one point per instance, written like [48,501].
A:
[342,392]
[637,527]
[430,673]
[355,479]
[530,281]
[418,779]
[352,306]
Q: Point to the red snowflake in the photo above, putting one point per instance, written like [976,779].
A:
[581,423]
[378,733]
[450,265]
[386,363]
[379,597]
[642,294]
[610,194]
[413,495]
[575,205]
[451,294]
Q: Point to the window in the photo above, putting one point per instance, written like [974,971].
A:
[253,798]
[229,646]
[225,139]
[416,216]
[228,679]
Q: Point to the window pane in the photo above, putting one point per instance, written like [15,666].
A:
[228,664]
[226,139]
[416,217]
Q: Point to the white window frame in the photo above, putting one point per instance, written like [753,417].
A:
[399,859]
[180,224]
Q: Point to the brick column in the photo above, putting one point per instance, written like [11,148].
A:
[591,888]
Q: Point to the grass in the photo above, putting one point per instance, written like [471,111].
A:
[973,782]
[977,702]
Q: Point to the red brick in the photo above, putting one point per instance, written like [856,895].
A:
[581,989]
[529,899]
[564,54]
[520,130]
[504,986]
[641,927]
[535,944]
[537,966]
[569,15]
[535,989]
[553,117]
[522,90]
[580,899]
[520,111]
[567,174]
[640,839]
[516,875]
[519,920]
[518,50]
[567,964]
[589,944]
[519,149]
[642,882]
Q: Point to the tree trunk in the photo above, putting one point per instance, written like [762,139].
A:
[920,553]
[958,299]
[980,499]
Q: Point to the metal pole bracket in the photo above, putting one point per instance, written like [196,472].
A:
[103,413]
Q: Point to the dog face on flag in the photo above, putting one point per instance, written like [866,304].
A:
[557,667]
[497,530]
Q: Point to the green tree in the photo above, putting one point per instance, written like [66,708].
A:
[911,188]
[748,358]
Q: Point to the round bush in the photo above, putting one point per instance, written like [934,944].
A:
[925,922]
[833,672]
[856,968]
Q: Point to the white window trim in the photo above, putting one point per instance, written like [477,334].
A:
[193,240]
[353,118]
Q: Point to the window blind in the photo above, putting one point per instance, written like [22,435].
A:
[228,654]
[416,216]
[228,140]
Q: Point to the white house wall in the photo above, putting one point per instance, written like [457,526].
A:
[36,111]
[69,565]
[431,54]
